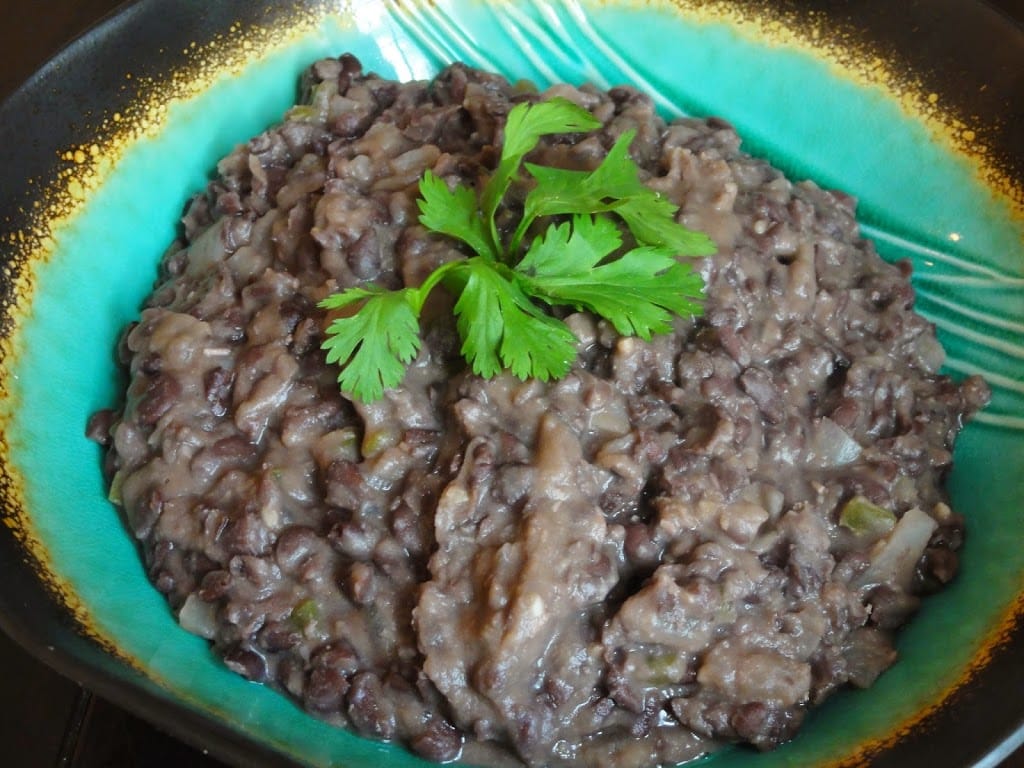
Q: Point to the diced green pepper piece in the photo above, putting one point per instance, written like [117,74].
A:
[661,667]
[305,613]
[116,483]
[376,441]
[661,662]
[305,112]
[865,518]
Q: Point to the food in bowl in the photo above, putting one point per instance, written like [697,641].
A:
[685,541]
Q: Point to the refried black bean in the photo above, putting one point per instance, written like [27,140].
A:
[686,542]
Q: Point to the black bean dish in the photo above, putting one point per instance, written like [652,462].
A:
[685,541]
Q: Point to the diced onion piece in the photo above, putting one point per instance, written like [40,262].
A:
[207,249]
[337,445]
[896,557]
[610,419]
[198,617]
[929,352]
[831,446]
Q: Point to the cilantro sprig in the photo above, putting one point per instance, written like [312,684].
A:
[578,262]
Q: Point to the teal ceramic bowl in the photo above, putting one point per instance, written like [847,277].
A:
[100,150]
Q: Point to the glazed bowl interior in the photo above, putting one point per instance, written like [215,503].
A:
[920,199]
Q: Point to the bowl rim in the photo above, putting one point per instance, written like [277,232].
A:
[36,617]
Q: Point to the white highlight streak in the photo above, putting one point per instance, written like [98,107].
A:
[982,317]
[931,253]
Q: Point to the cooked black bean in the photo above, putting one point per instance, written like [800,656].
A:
[351,68]
[326,689]
[651,557]
[215,585]
[247,662]
[144,515]
[232,452]
[440,741]
[353,539]
[243,619]
[236,233]
[344,483]
[217,386]
[763,724]
[361,583]
[279,636]
[99,425]
[246,534]
[411,529]
[891,607]
[339,655]
[306,337]
[163,393]
[369,708]
[294,546]
[757,383]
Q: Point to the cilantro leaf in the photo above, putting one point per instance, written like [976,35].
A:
[501,328]
[637,292]
[525,125]
[645,215]
[454,212]
[614,186]
[374,345]
[565,249]
[561,190]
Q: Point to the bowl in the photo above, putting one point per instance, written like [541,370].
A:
[102,147]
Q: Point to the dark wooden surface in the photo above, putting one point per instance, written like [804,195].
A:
[46,720]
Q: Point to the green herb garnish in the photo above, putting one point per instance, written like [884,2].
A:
[579,262]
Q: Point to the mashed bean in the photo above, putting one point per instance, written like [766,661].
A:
[685,542]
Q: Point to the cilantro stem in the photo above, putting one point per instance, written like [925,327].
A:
[435,277]
[517,236]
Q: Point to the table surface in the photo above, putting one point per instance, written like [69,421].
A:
[45,719]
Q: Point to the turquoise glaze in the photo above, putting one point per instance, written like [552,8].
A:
[918,200]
